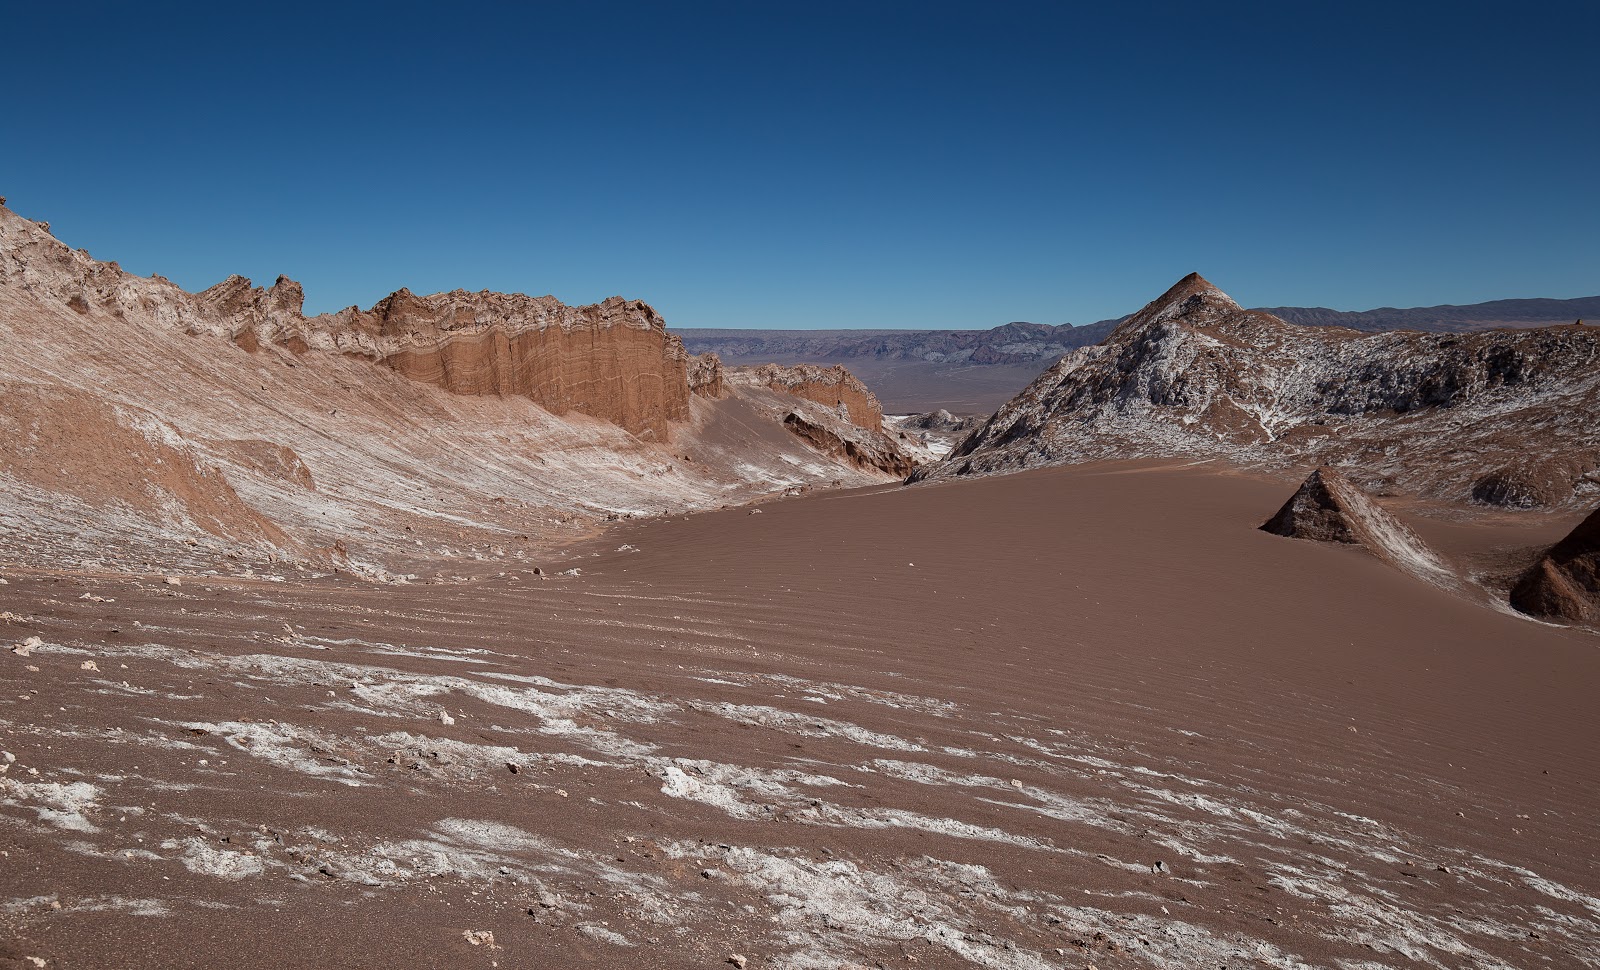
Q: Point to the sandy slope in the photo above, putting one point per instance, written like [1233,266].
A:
[938,726]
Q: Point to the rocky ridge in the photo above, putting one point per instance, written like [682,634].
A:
[832,387]
[156,427]
[1505,417]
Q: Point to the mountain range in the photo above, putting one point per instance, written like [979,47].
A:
[977,370]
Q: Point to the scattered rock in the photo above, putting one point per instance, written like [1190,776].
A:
[738,960]
[480,938]
[27,646]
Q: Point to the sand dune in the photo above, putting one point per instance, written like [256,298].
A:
[1071,716]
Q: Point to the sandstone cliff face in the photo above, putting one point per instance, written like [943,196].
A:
[225,427]
[614,360]
[1497,416]
[1564,584]
[706,376]
[832,387]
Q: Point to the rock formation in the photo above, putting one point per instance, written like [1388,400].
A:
[1505,415]
[1328,507]
[832,387]
[226,425]
[847,442]
[614,360]
[1563,585]
[705,376]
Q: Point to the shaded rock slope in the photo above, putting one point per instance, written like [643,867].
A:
[1329,508]
[1564,584]
[1504,417]
[146,426]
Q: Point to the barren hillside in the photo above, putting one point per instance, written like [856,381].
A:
[1501,417]
[147,425]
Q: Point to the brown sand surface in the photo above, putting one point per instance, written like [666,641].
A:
[1078,715]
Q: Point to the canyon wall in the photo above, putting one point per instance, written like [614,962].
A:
[831,387]
[148,425]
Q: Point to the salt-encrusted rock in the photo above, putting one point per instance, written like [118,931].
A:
[1500,416]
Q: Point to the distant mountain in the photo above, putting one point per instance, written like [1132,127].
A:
[1022,343]
[1447,318]
[975,371]
[1011,343]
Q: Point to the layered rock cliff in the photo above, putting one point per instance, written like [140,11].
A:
[149,425]
[706,376]
[832,387]
[613,360]
[1508,416]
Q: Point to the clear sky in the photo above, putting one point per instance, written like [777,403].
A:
[863,164]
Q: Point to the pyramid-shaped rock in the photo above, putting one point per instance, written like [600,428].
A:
[1564,584]
[1330,508]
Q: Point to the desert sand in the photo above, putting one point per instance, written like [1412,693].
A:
[1085,715]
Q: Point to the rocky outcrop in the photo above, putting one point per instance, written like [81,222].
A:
[847,442]
[832,387]
[217,429]
[1563,585]
[705,376]
[1328,507]
[613,360]
[944,422]
[1498,415]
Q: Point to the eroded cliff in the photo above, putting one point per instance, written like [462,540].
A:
[832,387]
[226,425]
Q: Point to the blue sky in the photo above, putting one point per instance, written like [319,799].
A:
[869,164]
